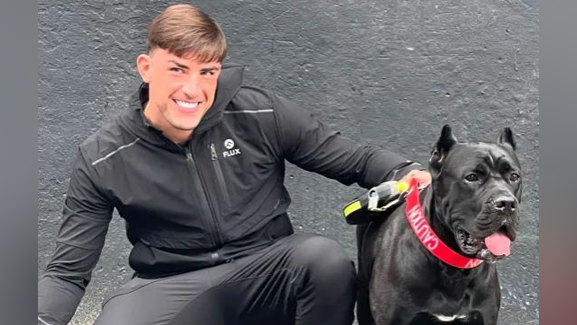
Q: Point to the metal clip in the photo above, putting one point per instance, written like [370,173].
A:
[373,200]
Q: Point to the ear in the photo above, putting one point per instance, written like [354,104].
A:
[144,65]
[441,149]
[506,136]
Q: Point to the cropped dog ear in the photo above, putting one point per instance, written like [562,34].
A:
[441,149]
[506,136]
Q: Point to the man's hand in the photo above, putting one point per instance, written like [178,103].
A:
[424,177]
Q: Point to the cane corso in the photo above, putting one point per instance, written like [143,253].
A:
[471,207]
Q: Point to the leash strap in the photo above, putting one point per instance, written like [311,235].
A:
[427,237]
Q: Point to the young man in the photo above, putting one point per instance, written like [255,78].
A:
[196,166]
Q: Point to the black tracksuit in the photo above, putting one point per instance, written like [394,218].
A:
[217,198]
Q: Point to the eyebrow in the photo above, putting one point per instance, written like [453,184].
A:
[212,68]
[182,66]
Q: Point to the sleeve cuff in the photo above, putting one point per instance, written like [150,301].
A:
[399,171]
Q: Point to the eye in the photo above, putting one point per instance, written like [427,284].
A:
[514,177]
[472,177]
[177,70]
[207,73]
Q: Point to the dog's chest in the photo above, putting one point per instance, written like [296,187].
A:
[452,318]
[451,300]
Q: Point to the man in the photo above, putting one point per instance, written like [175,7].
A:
[196,166]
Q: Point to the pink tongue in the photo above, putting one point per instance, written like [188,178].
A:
[499,244]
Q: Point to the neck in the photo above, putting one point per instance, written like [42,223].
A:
[431,231]
[437,225]
[152,114]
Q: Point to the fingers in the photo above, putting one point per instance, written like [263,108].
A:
[423,177]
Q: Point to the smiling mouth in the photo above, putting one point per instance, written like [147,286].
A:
[491,248]
[187,106]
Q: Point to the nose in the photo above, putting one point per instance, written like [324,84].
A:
[505,204]
[191,86]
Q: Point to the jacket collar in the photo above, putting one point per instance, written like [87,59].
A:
[229,83]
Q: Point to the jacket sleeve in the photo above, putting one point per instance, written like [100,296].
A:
[309,144]
[80,239]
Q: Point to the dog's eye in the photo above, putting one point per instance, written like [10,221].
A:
[472,177]
[514,177]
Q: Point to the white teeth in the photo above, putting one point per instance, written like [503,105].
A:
[187,105]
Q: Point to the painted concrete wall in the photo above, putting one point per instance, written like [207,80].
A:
[389,73]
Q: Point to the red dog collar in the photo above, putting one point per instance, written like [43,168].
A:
[427,236]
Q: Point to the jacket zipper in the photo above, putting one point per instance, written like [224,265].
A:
[215,233]
[219,174]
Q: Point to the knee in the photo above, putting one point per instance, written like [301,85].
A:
[324,258]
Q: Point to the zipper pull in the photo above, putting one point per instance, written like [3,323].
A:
[188,154]
[213,152]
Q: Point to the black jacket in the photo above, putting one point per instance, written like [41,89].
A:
[218,197]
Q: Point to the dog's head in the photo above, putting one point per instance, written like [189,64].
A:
[477,190]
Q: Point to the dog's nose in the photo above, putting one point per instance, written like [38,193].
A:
[505,204]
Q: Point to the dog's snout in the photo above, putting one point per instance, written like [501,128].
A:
[504,204]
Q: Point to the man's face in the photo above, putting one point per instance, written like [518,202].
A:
[181,90]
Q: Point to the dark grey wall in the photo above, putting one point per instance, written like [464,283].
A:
[388,72]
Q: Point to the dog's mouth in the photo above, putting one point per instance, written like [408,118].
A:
[467,243]
[490,248]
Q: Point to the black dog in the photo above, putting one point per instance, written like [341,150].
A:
[472,206]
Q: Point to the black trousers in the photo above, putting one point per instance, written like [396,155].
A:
[301,279]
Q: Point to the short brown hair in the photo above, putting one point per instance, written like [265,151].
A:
[182,29]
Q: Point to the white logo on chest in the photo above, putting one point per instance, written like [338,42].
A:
[229,144]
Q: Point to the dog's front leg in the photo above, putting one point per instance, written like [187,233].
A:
[392,315]
[487,314]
